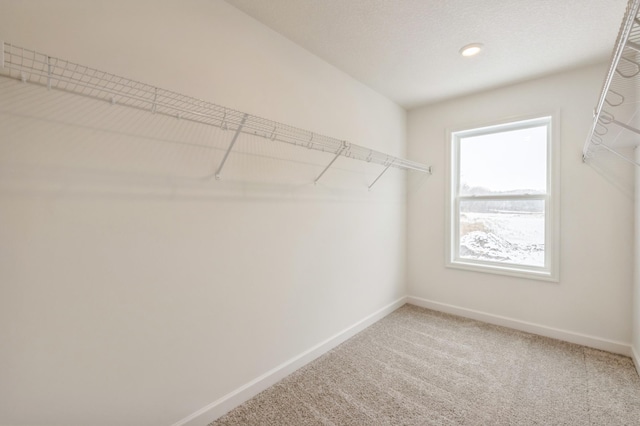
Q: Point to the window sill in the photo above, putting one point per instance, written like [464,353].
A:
[512,271]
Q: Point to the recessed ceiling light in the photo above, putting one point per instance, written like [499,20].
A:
[471,49]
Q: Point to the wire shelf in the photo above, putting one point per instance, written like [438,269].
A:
[616,122]
[54,73]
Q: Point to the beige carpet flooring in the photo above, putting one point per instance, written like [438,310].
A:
[421,367]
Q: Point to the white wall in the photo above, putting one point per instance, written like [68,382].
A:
[131,291]
[596,201]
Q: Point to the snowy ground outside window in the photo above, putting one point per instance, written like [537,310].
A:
[503,236]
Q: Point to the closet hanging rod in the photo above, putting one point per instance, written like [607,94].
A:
[34,67]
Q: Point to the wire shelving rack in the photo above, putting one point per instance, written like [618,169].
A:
[54,73]
[616,121]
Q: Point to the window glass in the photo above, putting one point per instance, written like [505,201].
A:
[512,161]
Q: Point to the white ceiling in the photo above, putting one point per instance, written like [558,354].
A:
[408,49]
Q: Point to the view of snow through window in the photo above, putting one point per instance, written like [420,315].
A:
[503,179]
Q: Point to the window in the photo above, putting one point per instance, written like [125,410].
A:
[503,213]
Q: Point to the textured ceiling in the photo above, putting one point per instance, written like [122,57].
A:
[408,49]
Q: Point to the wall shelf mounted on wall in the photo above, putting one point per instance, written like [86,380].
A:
[54,73]
[616,122]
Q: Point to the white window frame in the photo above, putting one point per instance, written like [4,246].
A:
[550,271]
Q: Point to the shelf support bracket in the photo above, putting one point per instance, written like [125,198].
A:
[340,151]
[380,175]
[233,141]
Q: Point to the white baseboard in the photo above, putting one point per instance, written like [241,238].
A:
[555,333]
[218,408]
[636,358]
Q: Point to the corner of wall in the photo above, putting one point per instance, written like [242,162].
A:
[220,407]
